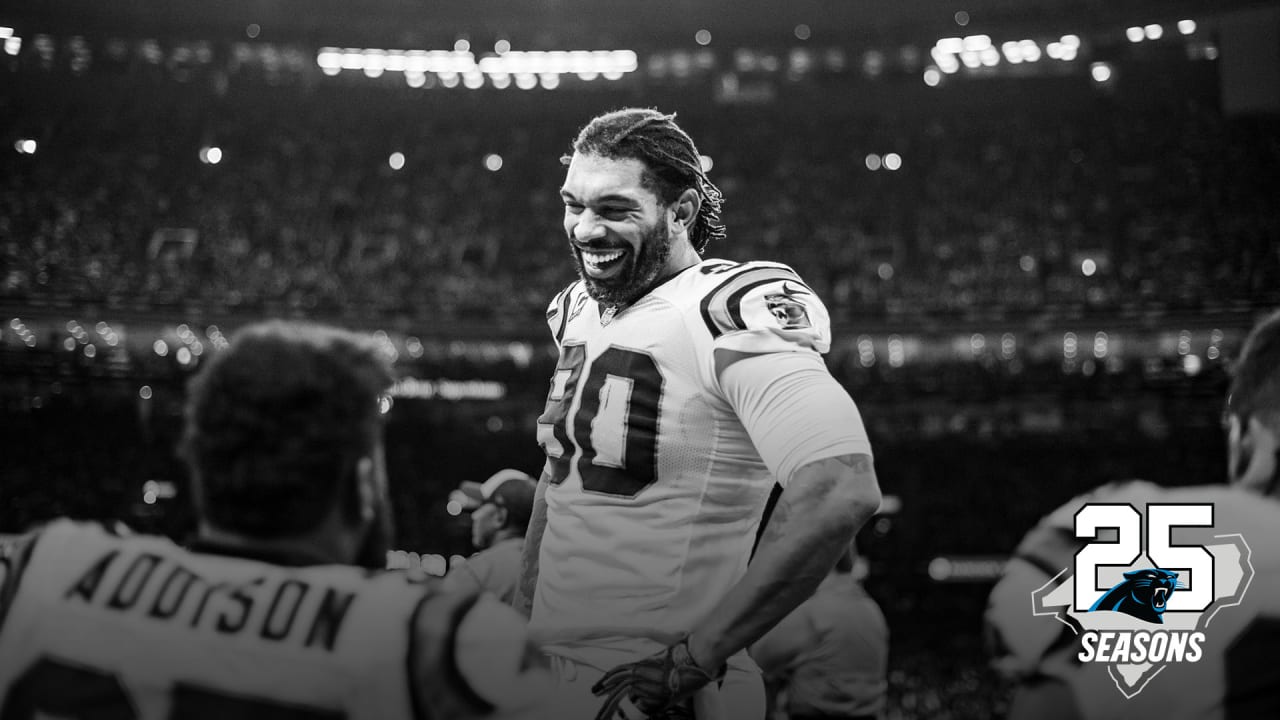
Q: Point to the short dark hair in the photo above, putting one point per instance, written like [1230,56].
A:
[1255,387]
[276,422]
[672,162]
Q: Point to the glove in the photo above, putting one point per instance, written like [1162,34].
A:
[658,685]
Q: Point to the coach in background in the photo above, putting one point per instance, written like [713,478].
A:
[1234,673]
[500,509]
[831,654]
[276,610]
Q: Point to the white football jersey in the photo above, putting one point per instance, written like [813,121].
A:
[138,627]
[655,488]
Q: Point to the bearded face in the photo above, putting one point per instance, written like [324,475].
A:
[616,275]
[617,228]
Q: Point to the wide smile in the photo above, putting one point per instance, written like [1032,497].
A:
[602,264]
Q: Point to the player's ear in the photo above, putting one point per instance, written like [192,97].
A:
[1252,453]
[685,209]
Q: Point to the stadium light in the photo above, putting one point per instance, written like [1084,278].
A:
[1134,34]
[702,37]
[1101,72]
[932,76]
[1153,31]
[1186,27]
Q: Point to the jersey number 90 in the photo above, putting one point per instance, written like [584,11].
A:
[614,433]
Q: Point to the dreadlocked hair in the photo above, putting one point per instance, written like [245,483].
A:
[672,162]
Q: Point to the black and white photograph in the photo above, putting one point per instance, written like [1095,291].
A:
[607,360]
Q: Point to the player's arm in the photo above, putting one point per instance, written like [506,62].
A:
[523,601]
[781,646]
[817,516]
[808,430]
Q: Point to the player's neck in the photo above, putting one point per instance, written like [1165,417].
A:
[682,257]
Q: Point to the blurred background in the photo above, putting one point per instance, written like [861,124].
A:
[1042,229]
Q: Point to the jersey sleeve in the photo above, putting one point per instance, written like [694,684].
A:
[561,309]
[765,308]
[15,553]
[794,411]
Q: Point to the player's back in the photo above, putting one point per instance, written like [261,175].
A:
[138,627]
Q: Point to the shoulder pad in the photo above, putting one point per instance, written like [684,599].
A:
[763,307]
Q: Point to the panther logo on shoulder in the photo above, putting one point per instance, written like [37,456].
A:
[787,308]
[1144,594]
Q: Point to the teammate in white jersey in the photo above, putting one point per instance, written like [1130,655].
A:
[685,388]
[1234,674]
[275,611]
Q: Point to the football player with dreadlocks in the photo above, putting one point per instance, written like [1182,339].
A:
[686,387]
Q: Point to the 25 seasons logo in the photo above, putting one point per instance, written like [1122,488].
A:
[1141,595]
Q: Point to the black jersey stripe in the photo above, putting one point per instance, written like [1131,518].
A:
[727,317]
[567,295]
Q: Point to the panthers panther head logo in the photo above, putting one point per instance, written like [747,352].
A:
[1144,594]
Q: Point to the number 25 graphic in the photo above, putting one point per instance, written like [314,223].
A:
[1193,563]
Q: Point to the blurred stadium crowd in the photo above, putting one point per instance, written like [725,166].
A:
[1077,201]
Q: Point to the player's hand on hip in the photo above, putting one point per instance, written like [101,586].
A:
[658,686]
